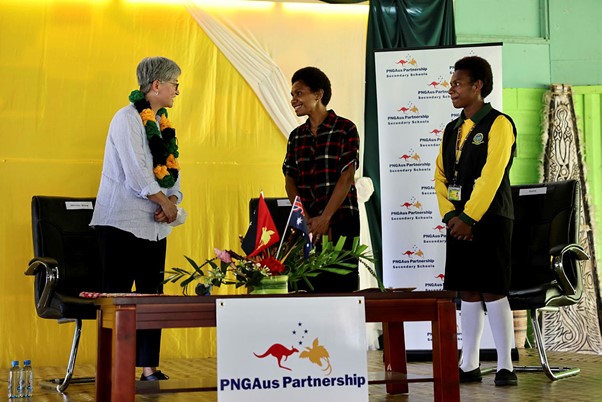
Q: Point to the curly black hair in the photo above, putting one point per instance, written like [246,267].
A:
[315,79]
[479,69]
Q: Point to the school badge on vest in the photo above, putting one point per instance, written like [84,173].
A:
[478,139]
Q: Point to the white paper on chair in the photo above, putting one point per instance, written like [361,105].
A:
[532,191]
[71,205]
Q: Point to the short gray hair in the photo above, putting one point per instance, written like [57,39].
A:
[156,68]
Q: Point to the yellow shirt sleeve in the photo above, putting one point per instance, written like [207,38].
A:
[445,205]
[499,150]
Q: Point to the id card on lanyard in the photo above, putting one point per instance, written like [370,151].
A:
[454,191]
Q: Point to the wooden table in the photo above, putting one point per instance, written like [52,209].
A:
[120,317]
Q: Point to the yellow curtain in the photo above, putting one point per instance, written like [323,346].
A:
[66,67]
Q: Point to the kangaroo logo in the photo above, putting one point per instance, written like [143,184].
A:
[279,352]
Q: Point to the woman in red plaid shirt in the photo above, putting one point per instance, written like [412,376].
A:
[321,158]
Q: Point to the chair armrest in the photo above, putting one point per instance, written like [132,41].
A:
[38,263]
[557,254]
[49,268]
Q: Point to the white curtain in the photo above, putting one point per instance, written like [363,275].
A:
[267,80]
[254,64]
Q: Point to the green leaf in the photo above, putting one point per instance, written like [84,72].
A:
[340,271]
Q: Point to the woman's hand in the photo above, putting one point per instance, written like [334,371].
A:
[167,211]
[459,229]
[318,226]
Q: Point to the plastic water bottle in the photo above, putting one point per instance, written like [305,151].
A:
[27,379]
[14,379]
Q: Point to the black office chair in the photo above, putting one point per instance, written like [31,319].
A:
[66,262]
[545,257]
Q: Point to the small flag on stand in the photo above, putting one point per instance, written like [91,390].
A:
[297,221]
[262,232]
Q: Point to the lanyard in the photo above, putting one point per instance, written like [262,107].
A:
[459,147]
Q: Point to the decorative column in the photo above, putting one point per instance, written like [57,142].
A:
[575,328]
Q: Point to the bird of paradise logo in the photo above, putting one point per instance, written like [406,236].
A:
[266,236]
[317,354]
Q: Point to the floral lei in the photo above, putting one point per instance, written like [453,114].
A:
[163,144]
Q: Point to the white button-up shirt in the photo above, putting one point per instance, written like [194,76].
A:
[128,179]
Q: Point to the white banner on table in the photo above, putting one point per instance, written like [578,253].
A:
[291,349]
[413,109]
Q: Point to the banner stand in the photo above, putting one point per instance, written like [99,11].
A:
[413,108]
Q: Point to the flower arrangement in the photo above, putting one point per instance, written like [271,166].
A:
[230,268]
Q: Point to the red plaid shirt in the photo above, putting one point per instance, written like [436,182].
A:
[316,163]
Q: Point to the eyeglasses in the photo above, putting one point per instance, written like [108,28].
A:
[174,83]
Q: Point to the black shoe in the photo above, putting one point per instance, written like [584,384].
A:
[471,376]
[505,377]
[156,376]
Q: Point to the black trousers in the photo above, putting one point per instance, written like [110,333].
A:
[129,260]
[328,282]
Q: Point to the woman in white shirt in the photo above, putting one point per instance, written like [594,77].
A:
[138,193]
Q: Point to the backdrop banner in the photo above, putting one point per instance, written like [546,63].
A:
[413,109]
[292,349]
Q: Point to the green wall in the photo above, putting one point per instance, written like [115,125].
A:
[545,41]
[524,105]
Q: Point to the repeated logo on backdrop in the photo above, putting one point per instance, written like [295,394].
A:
[411,209]
[413,257]
[407,113]
[409,161]
[405,67]
[432,139]
[414,108]
[436,89]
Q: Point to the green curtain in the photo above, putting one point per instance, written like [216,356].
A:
[396,24]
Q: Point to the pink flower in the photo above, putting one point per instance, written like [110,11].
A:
[223,255]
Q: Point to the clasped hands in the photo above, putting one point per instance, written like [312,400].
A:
[167,211]
[459,229]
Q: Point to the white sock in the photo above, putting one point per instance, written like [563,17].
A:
[471,318]
[502,329]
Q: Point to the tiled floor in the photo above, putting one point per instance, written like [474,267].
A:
[533,387]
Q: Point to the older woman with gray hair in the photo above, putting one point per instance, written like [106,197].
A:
[138,193]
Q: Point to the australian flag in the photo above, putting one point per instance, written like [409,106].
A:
[297,221]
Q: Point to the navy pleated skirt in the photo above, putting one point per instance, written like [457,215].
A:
[483,264]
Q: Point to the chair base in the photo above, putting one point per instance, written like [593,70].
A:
[61,384]
[57,383]
[553,373]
